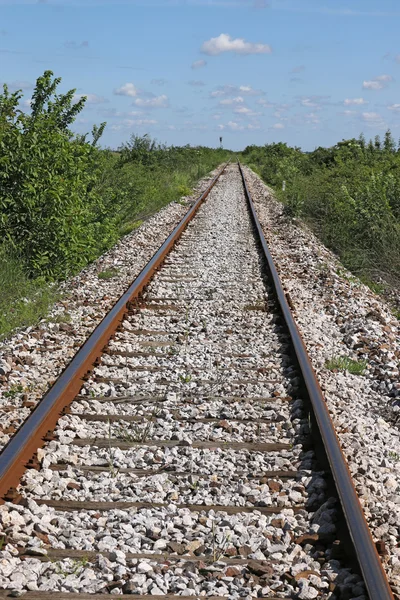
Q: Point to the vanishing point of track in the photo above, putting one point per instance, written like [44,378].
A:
[223,400]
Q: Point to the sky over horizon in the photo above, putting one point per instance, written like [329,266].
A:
[305,72]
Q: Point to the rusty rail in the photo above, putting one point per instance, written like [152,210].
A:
[367,555]
[24,444]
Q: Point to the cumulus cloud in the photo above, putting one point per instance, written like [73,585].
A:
[198,64]
[230,101]
[354,101]
[235,90]
[278,126]
[265,103]
[128,89]
[245,111]
[156,102]
[90,98]
[235,126]
[312,118]
[313,102]
[377,83]
[394,107]
[225,43]
[373,119]
[372,85]
[309,103]
[129,123]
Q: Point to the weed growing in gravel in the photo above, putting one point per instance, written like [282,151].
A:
[187,378]
[218,550]
[394,456]
[76,565]
[14,391]
[344,363]
[137,434]
[63,317]
[108,274]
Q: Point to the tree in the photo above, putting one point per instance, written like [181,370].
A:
[389,143]
[48,209]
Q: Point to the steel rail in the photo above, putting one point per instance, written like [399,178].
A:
[24,444]
[370,564]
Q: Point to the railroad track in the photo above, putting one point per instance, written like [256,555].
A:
[187,449]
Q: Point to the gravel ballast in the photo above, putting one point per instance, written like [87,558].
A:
[241,509]
[32,358]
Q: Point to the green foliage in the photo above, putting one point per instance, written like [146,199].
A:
[49,210]
[344,363]
[349,194]
[145,176]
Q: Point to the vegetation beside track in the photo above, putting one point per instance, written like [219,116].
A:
[348,194]
[64,201]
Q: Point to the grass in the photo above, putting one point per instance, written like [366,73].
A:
[108,274]
[23,301]
[344,363]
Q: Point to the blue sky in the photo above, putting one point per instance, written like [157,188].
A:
[306,72]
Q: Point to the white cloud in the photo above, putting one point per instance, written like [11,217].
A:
[373,119]
[372,85]
[384,78]
[130,123]
[225,43]
[229,101]
[156,102]
[278,126]
[371,116]
[198,64]
[128,89]
[231,126]
[235,90]
[265,103]
[242,110]
[312,118]
[354,101]
[309,103]
[246,112]
[377,83]
[90,98]
[394,107]
[349,113]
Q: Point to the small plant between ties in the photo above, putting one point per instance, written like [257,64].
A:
[344,363]
[108,274]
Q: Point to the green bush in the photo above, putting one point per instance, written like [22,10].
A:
[49,211]
[349,194]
